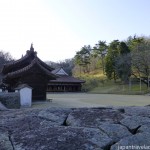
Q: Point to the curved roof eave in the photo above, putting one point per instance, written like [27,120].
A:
[45,65]
[25,69]
[15,62]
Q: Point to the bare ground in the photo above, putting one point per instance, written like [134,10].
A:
[76,100]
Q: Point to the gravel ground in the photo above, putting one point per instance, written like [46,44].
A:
[76,100]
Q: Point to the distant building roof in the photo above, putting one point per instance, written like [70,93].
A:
[59,71]
[66,79]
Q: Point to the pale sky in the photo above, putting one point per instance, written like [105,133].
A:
[59,28]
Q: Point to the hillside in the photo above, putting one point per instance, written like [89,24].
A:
[97,82]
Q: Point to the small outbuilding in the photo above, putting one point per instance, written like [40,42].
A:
[25,95]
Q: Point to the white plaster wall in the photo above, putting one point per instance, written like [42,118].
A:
[61,72]
[26,97]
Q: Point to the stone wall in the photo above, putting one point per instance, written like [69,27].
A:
[10,100]
[103,128]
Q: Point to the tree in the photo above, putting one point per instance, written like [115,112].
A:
[123,62]
[118,61]
[82,57]
[140,54]
[100,50]
[111,56]
[134,43]
[123,67]
[141,65]
[5,57]
[123,48]
[67,65]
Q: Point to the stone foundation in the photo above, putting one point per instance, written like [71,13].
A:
[75,129]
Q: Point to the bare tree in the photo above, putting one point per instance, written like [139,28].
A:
[5,57]
[141,65]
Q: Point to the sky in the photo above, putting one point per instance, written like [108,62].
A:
[60,28]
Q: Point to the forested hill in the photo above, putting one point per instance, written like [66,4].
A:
[115,61]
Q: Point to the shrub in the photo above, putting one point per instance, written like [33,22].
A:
[10,100]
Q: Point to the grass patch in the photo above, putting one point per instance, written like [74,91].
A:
[117,88]
[97,82]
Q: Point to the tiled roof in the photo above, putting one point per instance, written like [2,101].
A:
[55,71]
[29,53]
[66,79]
[22,70]
[16,61]
[45,65]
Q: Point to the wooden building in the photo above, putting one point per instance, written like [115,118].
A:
[64,82]
[28,70]
[35,73]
